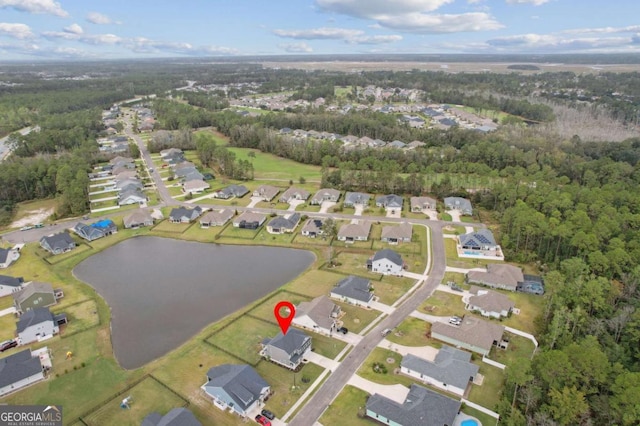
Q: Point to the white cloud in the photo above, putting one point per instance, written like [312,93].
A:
[73,29]
[544,43]
[99,18]
[375,39]
[145,45]
[533,2]
[301,47]
[324,33]
[435,24]
[95,39]
[604,30]
[19,31]
[372,9]
[35,6]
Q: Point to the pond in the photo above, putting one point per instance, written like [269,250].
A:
[163,291]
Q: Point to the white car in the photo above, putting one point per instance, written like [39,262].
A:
[455,320]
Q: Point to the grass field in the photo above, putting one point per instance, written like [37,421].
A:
[391,289]
[355,318]
[519,347]
[6,302]
[411,332]
[7,327]
[347,408]
[443,304]
[489,394]
[383,356]
[242,338]
[177,228]
[314,283]
[81,316]
[268,166]
[147,396]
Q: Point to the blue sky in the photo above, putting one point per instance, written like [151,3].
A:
[88,29]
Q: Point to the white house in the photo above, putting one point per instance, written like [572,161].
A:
[237,388]
[386,262]
[19,370]
[7,257]
[10,285]
[353,290]
[320,315]
[36,324]
[489,303]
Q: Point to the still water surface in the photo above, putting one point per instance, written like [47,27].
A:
[163,291]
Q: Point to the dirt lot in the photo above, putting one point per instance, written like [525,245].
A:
[33,217]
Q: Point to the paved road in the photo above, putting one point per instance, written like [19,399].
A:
[4,148]
[315,406]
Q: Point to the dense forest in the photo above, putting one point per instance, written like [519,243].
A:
[569,206]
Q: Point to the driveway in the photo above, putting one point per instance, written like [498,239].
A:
[382,307]
[322,361]
[295,203]
[412,275]
[359,208]
[425,352]
[394,212]
[429,318]
[254,201]
[397,393]
[350,338]
[326,205]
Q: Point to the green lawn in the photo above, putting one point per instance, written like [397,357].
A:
[265,309]
[347,409]
[382,356]
[6,302]
[485,419]
[353,262]
[7,327]
[411,332]
[355,318]
[443,304]
[489,394]
[265,237]
[530,306]
[445,216]
[391,289]
[458,262]
[326,346]
[204,235]
[242,337]
[147,396]
[233,232]
[314,283]
[268,166]
[167,226]
[80,316]
[519,347]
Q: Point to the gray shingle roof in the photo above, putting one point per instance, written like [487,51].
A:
[294,339]
[176,417]
[137,217]
[87,232]
[391,200]
[421,407]
[282,222]
[59,241]
[11,281]
[354,288]
[180,212]
[388,254]
[480,238]
[294,192]
[352,198]
[451,366]
[458,203]
[31,289]
[241,382]
[234,191]
[320,310]
[473,331]
[355,230]
[18,366]
[32,317]
[400,232]
[313,225]
[490,301]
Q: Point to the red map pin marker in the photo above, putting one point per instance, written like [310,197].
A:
[282,321]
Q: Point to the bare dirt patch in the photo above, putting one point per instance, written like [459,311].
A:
[33,217]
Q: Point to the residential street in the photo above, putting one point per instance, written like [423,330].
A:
[315,406]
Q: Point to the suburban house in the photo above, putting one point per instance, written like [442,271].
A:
[231,191]
[420,204]
[126,174]
[489,303]
[9,285]
[58,243]
[128,184]
[320,315]
[294,193]
[478,240]
[473,334]
[237,388]
[249,220]
[458,203]
[312,228]
[121,161]
[451,370]
[532,284]
[176,417]
[8,256]
[216,218]
[288,349]
[19,370]
[497,275]
[353,290]
[395,234]
[87,232]
[283,224]
[137,219]
[171,153]
[351,232]
[352,199]
[391,201]
[386,262]
[184,215]
[131,196]
[325,194]
[422,406]
[106,226]
[38,324]
[35,295]
[266,192]
[195,186]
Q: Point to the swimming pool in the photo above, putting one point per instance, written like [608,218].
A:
[469,422]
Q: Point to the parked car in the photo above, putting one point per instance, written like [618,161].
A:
[26,228]
[262,420]
[386,332]
[268,414]
[8,344]
[343,330]
[39,225]
[455,320]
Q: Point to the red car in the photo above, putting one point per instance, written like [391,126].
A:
[263,420]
